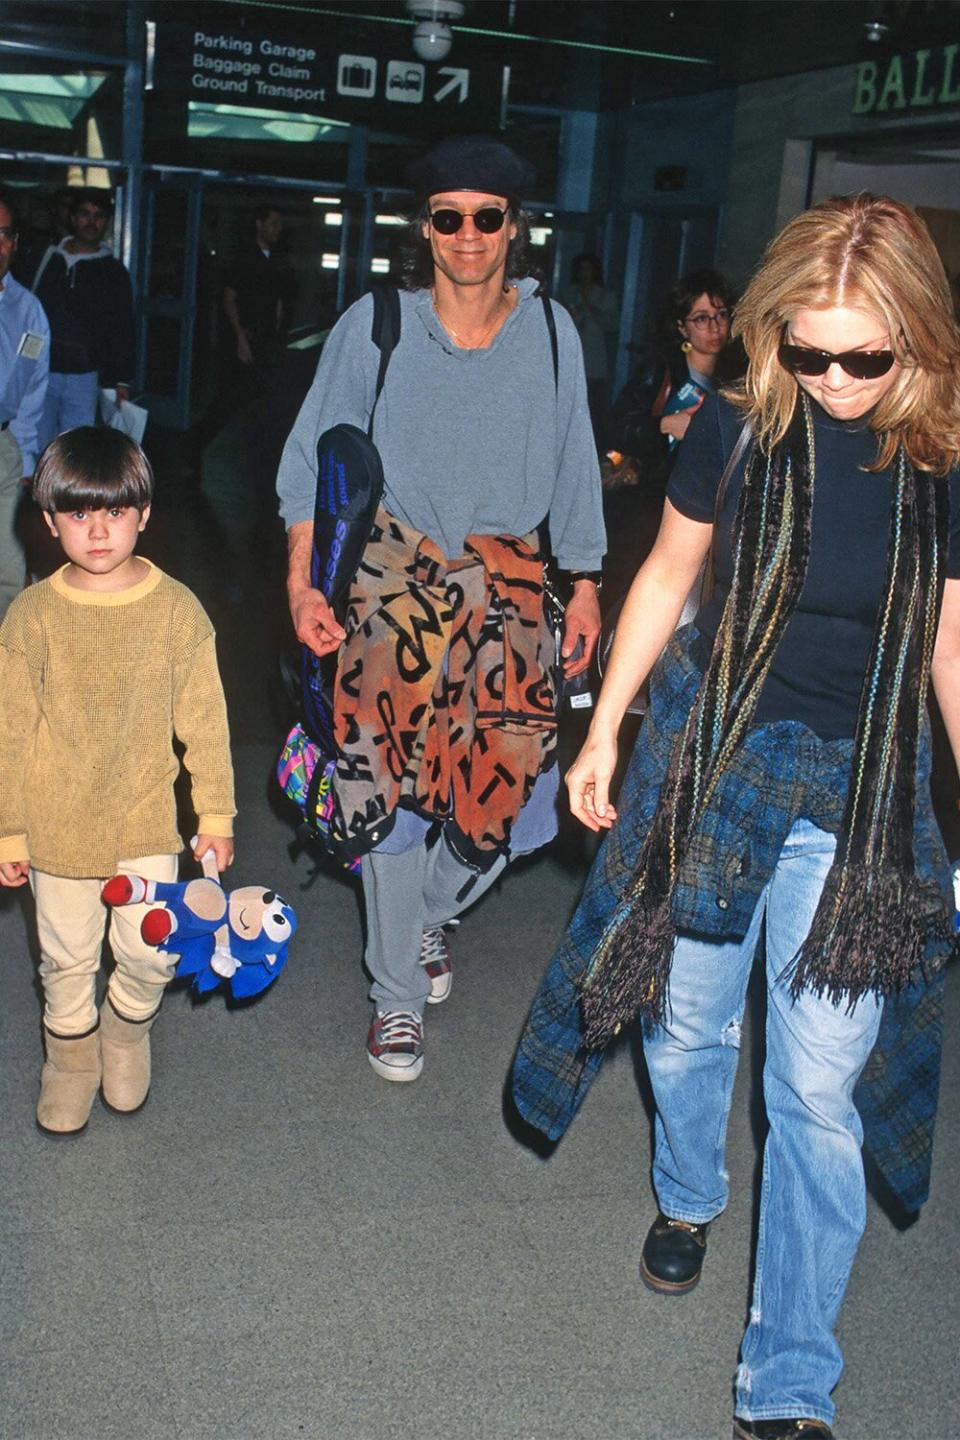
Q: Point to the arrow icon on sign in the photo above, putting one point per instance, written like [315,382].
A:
[459,78]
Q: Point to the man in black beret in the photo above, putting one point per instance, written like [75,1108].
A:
[444,707]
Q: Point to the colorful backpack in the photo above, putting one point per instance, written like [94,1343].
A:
[349,490]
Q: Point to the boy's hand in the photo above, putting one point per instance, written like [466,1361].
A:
[14,872]
[221,846]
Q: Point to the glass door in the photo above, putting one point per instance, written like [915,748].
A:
[171,241]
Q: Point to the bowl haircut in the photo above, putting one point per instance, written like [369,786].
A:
[92,468]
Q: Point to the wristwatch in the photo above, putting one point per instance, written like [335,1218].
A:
[595,575]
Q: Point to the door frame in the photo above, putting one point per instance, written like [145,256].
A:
[171,410]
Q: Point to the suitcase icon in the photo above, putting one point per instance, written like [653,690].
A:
[357,75]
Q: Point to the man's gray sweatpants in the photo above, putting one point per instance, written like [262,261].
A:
[405,894]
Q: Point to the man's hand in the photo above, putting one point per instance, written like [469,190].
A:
[14,872]
[314,622]
[123,393]
[244,350]
[581,621]
[221,846]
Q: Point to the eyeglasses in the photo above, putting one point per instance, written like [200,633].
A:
[7,232]
[703,318]
[488,220]
[861,364]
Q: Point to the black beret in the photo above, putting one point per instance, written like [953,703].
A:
[471,162]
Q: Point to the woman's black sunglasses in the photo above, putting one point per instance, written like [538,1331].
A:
[861,364]
[488,220]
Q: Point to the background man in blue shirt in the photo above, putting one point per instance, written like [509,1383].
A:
[24,365]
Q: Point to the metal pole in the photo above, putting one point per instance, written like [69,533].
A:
[504,97]
[132,146]
[189,298]
[631,297]
[361,282]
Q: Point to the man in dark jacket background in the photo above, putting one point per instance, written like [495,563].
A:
[88,299]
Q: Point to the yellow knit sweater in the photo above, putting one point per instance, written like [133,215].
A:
[93,688]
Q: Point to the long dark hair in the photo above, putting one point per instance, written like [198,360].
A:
[415,261]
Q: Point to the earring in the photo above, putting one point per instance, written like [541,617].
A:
[686,347]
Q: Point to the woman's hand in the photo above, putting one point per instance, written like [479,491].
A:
[588,782]
[677,424]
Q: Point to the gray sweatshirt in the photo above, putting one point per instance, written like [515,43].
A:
[473,442]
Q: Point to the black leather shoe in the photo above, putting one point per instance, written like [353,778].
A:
[672,1255]
[786,1429]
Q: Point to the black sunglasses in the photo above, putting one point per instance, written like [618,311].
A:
[861,364]
[488,220]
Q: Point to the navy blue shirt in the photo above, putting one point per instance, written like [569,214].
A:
[818,670]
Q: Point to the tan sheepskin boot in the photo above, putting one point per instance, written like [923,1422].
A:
[68,1082]
[125,1050]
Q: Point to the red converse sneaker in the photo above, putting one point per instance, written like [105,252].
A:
[435,959]
[395,1044]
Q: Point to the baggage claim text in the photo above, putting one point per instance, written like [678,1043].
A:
[226,64]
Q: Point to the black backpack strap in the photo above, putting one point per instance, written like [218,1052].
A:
[552,327]
[385,334]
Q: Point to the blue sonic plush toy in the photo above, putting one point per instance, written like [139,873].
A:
[241,937]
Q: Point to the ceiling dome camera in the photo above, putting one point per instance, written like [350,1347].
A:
[432,36]
[431,40]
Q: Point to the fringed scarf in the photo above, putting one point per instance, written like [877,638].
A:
[872,921]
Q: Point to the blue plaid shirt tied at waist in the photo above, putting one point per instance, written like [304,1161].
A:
[781,772]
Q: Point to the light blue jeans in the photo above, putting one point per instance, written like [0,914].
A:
[813,1200]
[71,400]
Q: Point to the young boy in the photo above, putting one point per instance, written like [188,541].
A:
[100,666]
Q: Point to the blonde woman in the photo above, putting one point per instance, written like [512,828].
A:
[779,785]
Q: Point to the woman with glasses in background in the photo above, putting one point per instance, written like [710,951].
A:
[649,420]
[779,788]
[651,415]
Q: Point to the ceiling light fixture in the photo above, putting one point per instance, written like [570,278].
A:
[876,30]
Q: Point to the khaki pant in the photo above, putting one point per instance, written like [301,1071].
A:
[13,570]
[71,920]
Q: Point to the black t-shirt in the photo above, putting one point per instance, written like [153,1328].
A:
[818,671]
[260,280]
